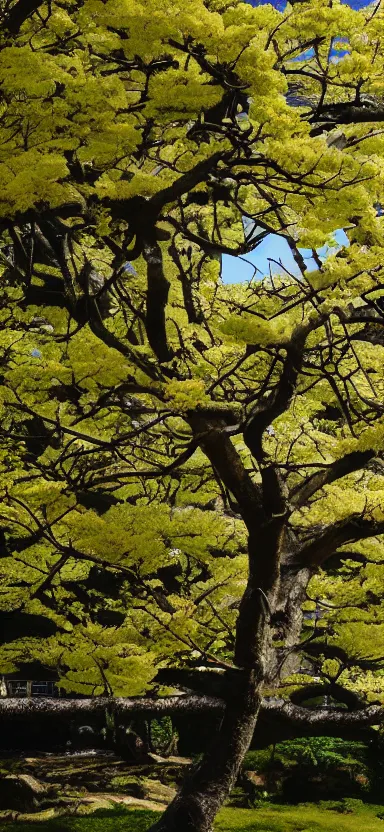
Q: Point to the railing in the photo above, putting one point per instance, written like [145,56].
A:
[27,687]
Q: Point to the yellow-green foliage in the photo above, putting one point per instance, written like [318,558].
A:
[127,164]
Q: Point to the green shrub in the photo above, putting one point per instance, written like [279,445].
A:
[259,760]
[163,735]
[323,753]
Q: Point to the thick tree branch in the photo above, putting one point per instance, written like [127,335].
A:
[328,540]
[300,495]
[140,705]
[143,213]
[100,330]
[287,721]
[157,296]
[278,401]
[319,647]
[187,181]
[349,698]
[278,720]
[19,12]
[216,443]
[345,112]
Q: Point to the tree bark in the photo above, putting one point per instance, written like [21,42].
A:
[210,781]
[278,720]
[288,623]
[135,706]
[18,13]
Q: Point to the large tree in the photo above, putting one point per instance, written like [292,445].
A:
[185,463]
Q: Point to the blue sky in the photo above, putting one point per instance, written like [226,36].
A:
[274,253]
[281,4]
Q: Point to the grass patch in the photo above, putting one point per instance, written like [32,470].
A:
[303,818]
[105,820]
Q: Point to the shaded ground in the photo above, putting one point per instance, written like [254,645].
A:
[52,785]
[99,792]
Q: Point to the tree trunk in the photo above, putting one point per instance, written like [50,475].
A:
[287,625]
[211,780]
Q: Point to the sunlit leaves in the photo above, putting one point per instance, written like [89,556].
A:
[138,144]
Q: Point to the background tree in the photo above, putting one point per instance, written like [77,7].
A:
[207,448]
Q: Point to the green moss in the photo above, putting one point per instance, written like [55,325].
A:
[128,784]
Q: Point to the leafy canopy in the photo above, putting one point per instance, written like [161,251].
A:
[154,418]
